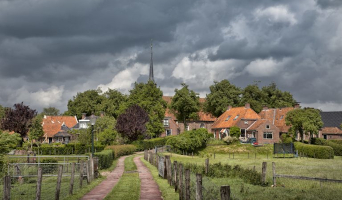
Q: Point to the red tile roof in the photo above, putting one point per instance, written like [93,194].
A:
[277,117]
[52,124]
[232,116]
[331,130]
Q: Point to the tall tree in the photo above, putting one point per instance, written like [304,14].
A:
[254,96]
[132,123]
[111,104]
[105,127]
[36,130]
[304,121]
[222,94]
[185,104]
[18,119]
[150,98]
[50,111]
[275,98]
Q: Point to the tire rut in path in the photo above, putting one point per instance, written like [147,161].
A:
[149,189]
[106,186]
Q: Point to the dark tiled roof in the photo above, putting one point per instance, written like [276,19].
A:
[332,119]
[62,133]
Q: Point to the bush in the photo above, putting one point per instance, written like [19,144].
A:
[315,151]
[49,169]
[150,143]
[286,138]
[213,142]
[106,158]
[336,141]
[121,150]
[189,140]
[230,140]
[66,149]
[335,145]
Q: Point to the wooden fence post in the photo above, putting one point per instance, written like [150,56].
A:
[39,183]
[181,191]
[264,167]
[187,184]
[225,192]
[274,174]
[167,168]
[72,178]
[175,169]
[81,173]
[199,187]
[207,166]
[88,171]
[170,171]
[7,188]
[59,181]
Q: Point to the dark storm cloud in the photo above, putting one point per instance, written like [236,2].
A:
[60,47]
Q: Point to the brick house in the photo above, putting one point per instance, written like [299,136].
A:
[174,127]
[250,124]
[55,128]
[331,125]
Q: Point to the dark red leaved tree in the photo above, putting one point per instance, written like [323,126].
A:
[132,123]
[18,119]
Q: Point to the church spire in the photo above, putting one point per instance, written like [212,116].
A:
[151,78]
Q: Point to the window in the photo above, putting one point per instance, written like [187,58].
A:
[166,122]
[268,126]
[228,118]
[237,116]
[187,128]
[168,132]
[281,117]
[202,125]
[246,122]
[268,135]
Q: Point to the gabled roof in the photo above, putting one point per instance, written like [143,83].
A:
[331,130]
[52,124]
[232,116]
[331,119]
[277,117]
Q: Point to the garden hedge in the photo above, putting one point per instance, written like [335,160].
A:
[336,141]
[106,158]
[66,149]
[150,143]
[121,150]
[335,145]
[315,151]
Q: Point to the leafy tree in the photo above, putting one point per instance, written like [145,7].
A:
[254,96]
[304,121]
[111,104]
[222,94]
[8,141]
[105,126]
[50,111]
[235,131]
[276,98]
[36,130]
[18,119]
[149,97]
[107,136]
[132,123]
[2,112]
[185,104]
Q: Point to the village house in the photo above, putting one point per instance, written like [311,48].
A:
[174,127]
[331,125]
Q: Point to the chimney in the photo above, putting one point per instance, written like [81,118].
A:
[247,105]
[265,107]
[101,114]
[84,115]
[297,104]
[229,107]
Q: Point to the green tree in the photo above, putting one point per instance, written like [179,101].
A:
[111,104]
[275,98]
[235,131]
[105,127]
[149,97]
[254,96]
[185,104]
[50,111]
[36,130]
[304,121]
[222,94]
[107,136]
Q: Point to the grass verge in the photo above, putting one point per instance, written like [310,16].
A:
[128,186]
[168,192]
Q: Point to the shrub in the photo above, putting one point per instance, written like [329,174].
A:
[286,138]
[230,140]
[150,143]
[106,158]
[315,151]
[213,141]
[335,145]
[49,168]
[121,150]
[66,149]
[336,141]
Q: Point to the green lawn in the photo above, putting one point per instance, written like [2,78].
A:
[128,186]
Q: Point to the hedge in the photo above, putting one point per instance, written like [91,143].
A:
[150,143]
[336,146]
[121,150]
[106,158]
[315,151]
[66,149]
[336,141]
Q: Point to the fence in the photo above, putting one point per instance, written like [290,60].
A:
[189,185]
[47,180]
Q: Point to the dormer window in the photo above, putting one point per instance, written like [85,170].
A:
[228,118]
[237,116]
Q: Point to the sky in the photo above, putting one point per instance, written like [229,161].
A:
[51,50]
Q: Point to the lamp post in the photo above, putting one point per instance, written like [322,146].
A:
[92,122]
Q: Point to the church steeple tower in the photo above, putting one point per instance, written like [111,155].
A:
[151,78]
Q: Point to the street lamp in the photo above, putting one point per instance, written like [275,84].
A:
[92,122]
